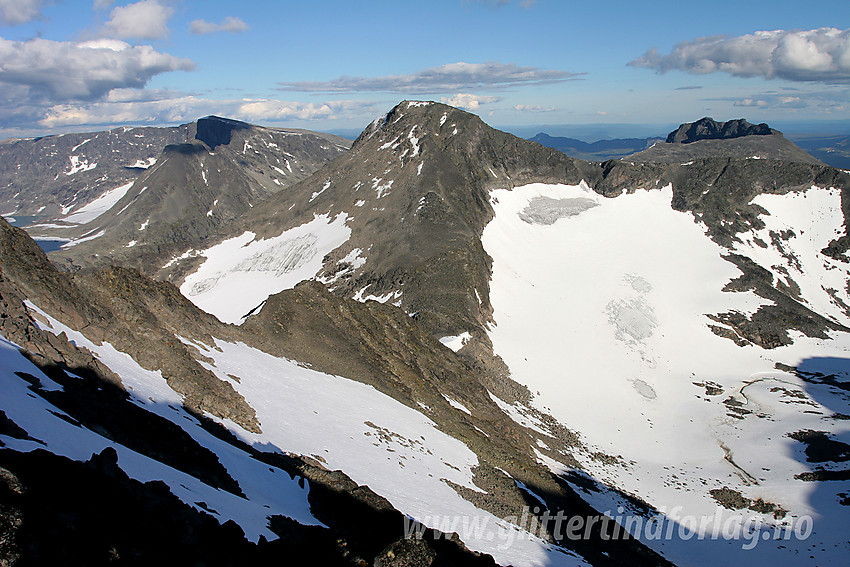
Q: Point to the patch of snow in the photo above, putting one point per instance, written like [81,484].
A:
[322,190]
[83,239]
[143,164]
[78,165]
[74,149]
[379,298]
[414,141]
[242,272]
[456,342]
[133,200]
[130,244]
[810,220]
[419,168]
[89,212]
[389,144]
[360,203]
[382,190]
[190,253]
[457,405]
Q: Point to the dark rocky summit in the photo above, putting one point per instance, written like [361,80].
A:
[709,129]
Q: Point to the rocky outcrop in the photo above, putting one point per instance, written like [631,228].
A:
[709,129]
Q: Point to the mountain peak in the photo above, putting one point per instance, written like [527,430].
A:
[709,129]
[215,131]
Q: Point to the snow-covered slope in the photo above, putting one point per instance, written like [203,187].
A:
[395,450]
[237,275]
[602,308]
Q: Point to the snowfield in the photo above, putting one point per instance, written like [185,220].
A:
[395,450]
[240,273]
[269,491]
[600,308]
[103,203]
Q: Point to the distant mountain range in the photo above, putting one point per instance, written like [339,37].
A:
[595,151]
[832,150]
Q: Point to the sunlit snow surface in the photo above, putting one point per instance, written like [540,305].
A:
[242,272]
[602,313]
[377,441]
[103,203]
[395,450]
[268,491]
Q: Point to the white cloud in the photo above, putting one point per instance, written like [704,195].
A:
[228,24]
[469,101]
[276,110]
[147,19]
[173,108]
[15,12]
[52,71]
[452,77]
[814,55]
[774,101]
[533,108]
[747,102]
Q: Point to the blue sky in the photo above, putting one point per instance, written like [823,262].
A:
[332,65]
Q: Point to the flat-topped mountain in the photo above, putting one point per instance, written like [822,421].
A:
[707,138]
[709,129]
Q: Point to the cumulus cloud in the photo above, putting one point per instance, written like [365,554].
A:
[533,108]
[771,101]
[833,98]
[276,110]
[750,102]
[814,55]
[173,108]
[14,12]
[41,69]
[469,101]
[147,19]
[228,24]
[452,77]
